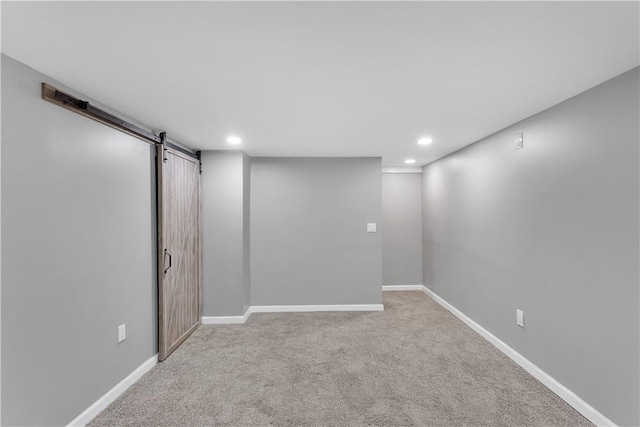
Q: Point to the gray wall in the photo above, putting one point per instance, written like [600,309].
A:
[309,243]
[225,252]
[78,255]
[402,225]
[551,229]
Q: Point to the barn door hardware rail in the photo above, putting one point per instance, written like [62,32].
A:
[51,94]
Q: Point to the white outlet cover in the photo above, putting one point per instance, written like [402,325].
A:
[371,227]
[520,318]
[519,140]
[122,333]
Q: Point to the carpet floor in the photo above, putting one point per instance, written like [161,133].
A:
[413,364]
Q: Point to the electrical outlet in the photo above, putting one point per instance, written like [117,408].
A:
[122,333]
[520,318]
[371,227]
[519,140]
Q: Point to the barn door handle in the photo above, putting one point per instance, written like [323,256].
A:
[167,253]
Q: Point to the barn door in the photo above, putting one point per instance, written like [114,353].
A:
[179,247]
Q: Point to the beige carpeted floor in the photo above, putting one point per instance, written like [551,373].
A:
[413,364]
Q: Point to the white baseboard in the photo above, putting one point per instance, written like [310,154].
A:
[311,308]
[100,404]
[402,288]
[225,320]
[222,320]
[588,411]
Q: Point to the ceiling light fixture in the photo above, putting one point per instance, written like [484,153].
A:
[234,140]
[425,141]
[410,161]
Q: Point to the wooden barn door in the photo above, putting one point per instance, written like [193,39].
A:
[179,248]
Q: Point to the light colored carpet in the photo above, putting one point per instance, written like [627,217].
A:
[413,364]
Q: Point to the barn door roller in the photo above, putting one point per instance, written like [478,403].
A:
[163,141]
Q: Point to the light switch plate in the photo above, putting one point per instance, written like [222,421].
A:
[520,318]
[519,140]
[122,334]
[371,227]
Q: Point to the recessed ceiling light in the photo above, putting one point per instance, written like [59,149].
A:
[425,141]
[234,140]
[410,161]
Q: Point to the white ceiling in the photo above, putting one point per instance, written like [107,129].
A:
[326,78]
